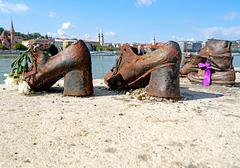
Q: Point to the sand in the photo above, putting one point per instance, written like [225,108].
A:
[112,129]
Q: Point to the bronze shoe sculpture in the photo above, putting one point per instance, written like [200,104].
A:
[212,49]
[159,69]
[217,54]
[190,64]
[226,77]
[73,63]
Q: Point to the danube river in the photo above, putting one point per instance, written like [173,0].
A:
[101,64]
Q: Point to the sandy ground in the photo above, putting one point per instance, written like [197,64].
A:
[112,129]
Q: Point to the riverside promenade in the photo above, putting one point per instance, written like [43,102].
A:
[9,52]
[115,129]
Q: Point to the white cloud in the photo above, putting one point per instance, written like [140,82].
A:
[108,36]
[67,25]
[230,16]
[52,14]
[61,32]
[145,2]
[50,34]
[87,37]
[191,39]
[10,7]
[174,38]
[222,32]
[111,34]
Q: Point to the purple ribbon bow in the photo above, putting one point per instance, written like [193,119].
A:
[207,75]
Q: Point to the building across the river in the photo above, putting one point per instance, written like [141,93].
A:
[190,46]
[8,38]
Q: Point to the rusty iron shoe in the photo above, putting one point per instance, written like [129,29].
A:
[216,51]
[73,63]
[218,54]
[159,69]
[218,77]
[190,64]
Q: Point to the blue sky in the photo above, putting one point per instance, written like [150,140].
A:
[125,20]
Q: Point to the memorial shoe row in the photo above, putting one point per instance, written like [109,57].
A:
[159,69]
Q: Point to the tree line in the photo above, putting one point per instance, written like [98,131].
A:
[19,46]
[28,36]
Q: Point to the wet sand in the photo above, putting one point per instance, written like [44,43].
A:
[112,129]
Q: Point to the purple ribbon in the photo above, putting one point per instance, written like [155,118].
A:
[207,75]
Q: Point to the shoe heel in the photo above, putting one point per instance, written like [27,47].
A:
[78,83]
[164,82]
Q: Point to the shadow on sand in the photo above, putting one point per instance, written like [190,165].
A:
[237,84]
[103,91]
[195,95]
[98,91]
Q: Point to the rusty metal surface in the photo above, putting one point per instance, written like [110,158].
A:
[133,71]
[190,64]
[216,47]
[164,82]
[218,77]
[78,83]
[75,60]
[217,52]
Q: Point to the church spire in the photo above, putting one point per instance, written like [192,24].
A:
[12,35]
[102,39]
[153,40]
[12,28]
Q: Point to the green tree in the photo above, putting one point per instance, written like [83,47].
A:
[19,46]
[1,46]
[75,39]
[98,47]
[109,48]
[46,36]
[18,33]
[1,30]
[36,35]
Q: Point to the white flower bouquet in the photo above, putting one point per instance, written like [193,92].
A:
[15,78]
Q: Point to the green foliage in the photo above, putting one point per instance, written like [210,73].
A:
[1,30]
[28,36]
[19,46]
[36,35]
[98,47]
[46,36]
[2,47]
[21,64]
[18,34]
[109,48]
[24,36]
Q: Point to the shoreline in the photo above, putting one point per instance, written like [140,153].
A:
[112,129]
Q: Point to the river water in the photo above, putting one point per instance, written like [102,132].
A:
[101,64]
